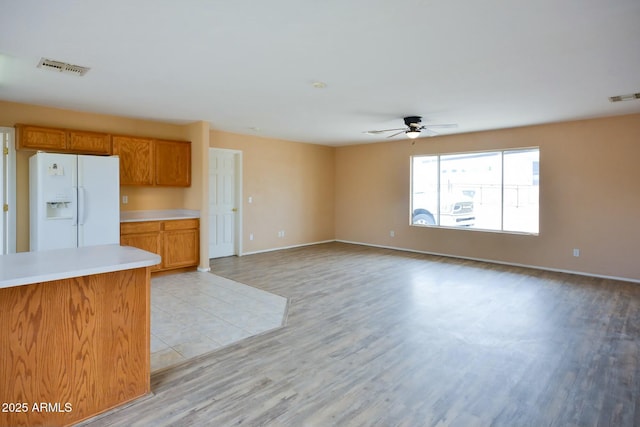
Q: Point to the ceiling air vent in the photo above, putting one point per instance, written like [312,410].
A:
[63,67]
[628,97]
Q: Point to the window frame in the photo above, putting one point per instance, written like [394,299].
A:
[437,214]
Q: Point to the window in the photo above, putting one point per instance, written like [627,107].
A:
[495,190]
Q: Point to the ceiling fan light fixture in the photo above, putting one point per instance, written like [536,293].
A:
[413,133]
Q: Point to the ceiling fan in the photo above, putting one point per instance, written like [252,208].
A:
[413,128]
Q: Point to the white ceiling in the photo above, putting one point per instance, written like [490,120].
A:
[246,64]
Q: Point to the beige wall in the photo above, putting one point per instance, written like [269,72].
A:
[589,197]
[139,197]
[589,194]
[292,186]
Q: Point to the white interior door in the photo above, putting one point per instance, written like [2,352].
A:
[223,209]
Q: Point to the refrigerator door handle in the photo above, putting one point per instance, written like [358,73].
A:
[80,205]
[74,212]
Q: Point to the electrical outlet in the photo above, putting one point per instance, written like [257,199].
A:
[576,252]
[392,233]
[125,200]
[250,236]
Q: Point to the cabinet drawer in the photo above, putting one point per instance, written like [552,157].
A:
[181,224]
[139,227]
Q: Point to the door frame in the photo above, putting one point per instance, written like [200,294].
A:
[8,191]
[237,158]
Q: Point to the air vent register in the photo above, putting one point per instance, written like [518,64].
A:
[63,67]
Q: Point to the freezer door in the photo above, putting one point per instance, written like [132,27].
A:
[52,201]
[98,200]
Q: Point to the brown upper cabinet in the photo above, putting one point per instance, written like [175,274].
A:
[147,161]
[143,161]
[136,159]
[173,163]
[62,140]
[88,142]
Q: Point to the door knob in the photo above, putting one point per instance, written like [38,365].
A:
[234,210]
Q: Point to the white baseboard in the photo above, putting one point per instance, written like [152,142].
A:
[286,247]
[491,261]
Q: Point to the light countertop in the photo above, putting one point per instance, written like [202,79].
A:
[158,215]
[25,268]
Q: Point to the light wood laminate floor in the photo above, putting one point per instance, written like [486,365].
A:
[377,337]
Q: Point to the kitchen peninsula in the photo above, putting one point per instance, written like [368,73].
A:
[75,332]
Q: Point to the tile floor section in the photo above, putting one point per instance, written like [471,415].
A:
[195,313]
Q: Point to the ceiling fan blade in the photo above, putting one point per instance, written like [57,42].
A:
[376,132]
[429,132]
[441,126]
[397,133]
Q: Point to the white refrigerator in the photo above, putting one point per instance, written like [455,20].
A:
[74,201]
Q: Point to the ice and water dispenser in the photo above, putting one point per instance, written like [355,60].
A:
[59,203]
[59,208]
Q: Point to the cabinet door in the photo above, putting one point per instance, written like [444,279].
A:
[181,248]
[173,163]
[89,142]
[136,159]
[39,138]
[151,242]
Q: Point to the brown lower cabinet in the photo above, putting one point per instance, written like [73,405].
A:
[176,241]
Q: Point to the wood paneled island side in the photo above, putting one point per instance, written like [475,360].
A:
[75,331]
